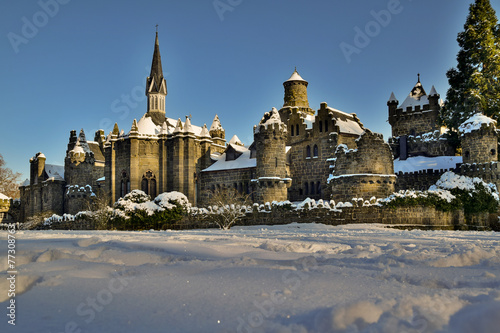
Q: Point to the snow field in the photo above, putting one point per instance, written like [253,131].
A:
[292,278]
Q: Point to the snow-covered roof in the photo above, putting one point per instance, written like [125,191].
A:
[411,101]
[55,171]
[349,127]
[3,197]
[235,140]
[417,163]
[238,148]
[295,77]
[475,122]
[26,182]
[146,126]
[216,125]
[242,162]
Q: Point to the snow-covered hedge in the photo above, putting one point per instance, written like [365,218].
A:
[136,210]
[451,192]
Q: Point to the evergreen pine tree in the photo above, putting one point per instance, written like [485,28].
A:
[474,83]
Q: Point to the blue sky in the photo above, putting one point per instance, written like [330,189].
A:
[85,63]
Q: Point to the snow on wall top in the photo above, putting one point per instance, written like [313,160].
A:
[4,197]
[417,163]
[273,117]
[474,123]
[242,162]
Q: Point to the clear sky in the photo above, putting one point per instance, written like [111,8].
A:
[83,64]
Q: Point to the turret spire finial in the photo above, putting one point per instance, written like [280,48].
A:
[418,77]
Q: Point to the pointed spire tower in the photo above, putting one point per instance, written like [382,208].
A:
[156,88]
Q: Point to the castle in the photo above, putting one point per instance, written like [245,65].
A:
[297,153]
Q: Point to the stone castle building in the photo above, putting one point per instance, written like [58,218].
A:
[297,153]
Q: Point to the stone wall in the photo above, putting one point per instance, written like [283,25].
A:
[419,180]
[239,179]
[409,216]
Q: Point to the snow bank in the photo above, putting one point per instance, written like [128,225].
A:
[286,278]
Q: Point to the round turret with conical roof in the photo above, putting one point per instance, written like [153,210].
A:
[296,93]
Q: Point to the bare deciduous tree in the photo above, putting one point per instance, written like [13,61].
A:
[226,206]
[9,181]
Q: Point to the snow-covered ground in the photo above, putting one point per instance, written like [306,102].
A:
[293,278]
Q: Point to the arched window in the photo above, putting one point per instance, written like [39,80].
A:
[292,131]
[320,126]
[144,185]
[148,183]
[306,186]
[493,152]
[297,129]
[308,151]
[326,125]
[318,188]
[276,162]
[315,151]
[125,184]
[312,188]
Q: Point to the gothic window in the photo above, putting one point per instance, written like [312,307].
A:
[297,129]
[320,126]
[306,186]
[301,192]
[148,183]
[292,130]
[308,151]
[125,184]
[315,151]
[152,188]
[144,185]
[312,188]
[276,161]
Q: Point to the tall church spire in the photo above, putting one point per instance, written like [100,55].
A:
[156,87]
[156,70]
